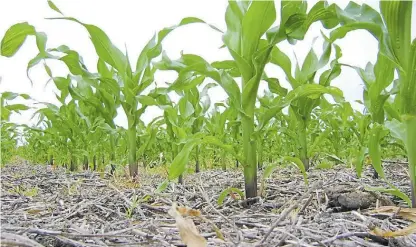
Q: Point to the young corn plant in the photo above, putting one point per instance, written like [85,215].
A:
[66,123]
[247,24]
[398,19]
[216,125]
[337,122]
[397,52]
[8,140]
[376,80]
[9,131]
[301,108]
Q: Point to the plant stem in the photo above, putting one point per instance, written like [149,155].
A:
[223,164]
[85,162]
[260,154]
[102,166]
[250,159]
[131,136]
[94,162]
[303,152]
[410,123]
[197,168]
[214,161]
[73,166]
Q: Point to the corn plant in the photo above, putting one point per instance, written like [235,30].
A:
[8,139]
[397,52]
[247,23]
[337,120]
[7,109]
[216,125]
[301,108]
[9,131]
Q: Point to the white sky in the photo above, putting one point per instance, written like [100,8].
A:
[133,23]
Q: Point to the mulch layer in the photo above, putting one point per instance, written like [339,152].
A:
[45,207]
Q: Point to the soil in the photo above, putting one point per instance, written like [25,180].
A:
[45,207]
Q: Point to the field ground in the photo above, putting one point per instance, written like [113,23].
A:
[45,207]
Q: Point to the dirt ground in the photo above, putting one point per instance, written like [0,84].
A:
[45,207]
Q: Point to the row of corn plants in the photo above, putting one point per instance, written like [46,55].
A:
[252,131]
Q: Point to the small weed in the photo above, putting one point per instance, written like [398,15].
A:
[21,190]
[73,188]
[130,210]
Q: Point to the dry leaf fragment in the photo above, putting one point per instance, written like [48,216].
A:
[235,196]
[390,234]
[187,229]
[34,211]
[406,213]
[186,211]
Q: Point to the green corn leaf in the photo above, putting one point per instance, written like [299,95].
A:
[5,114]
[180,161]
[234,15]
[9,95]
[328,75]
[149,142]
[230,66]
[301,91]
[53,7]
[408,87]
[154,47]
[358,160]
[297,24]
[318,141]
[186,81]
[41,40]
[103,70]
[309,67]
[391,110]
[104,48]
[146,100]
[280,59]
[275,87]
[384,73]
[192,63]
[14,37]
[74,63]
[47,69]
[374,149]
[17,107]
[259,17]
[208,86]
[397,129]
[299,164]
[227,192]
[186,109]
[393,191]
[71,59]
[62,84]
[268,171]
[162,186]
[398,18]
[355,17]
